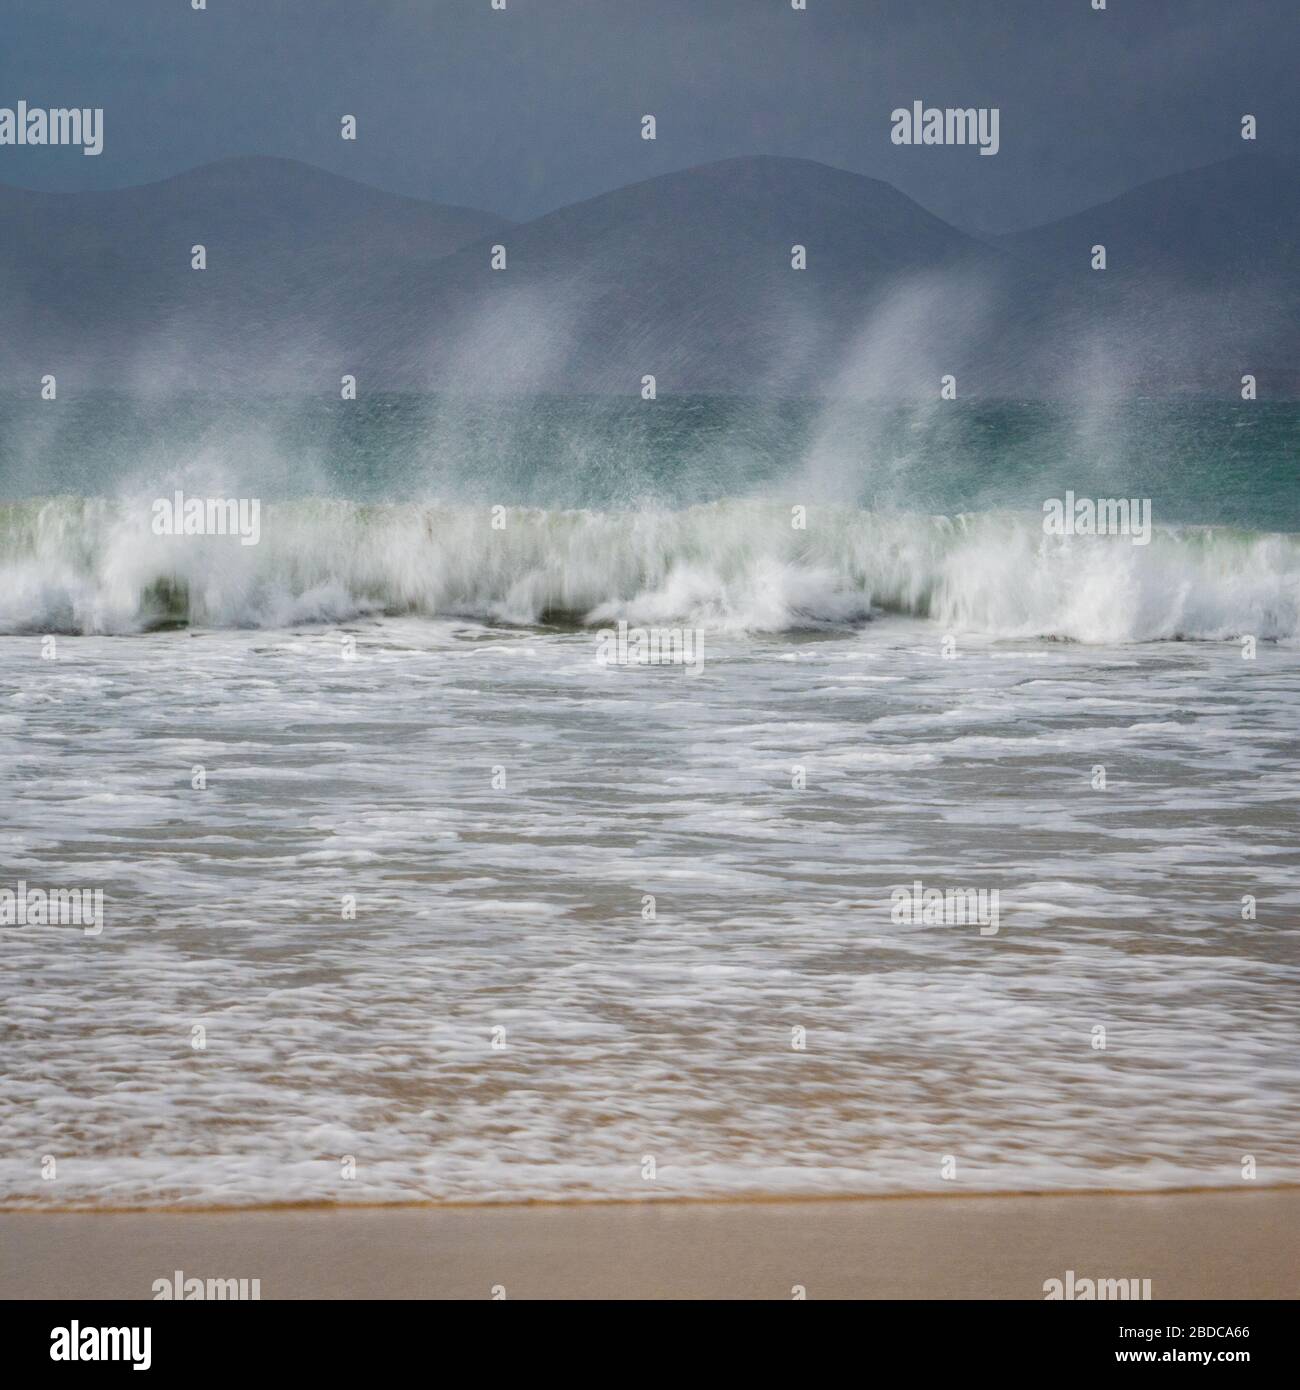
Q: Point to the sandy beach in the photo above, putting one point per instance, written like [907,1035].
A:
[1232,1245]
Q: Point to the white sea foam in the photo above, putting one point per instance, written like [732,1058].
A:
[93,565]
[521,907]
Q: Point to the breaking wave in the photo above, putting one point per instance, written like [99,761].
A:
[88,565]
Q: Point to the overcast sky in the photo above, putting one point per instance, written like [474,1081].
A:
[528,109]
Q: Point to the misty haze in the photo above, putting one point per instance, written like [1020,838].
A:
[685,613]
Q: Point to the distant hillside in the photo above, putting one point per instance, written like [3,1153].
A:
[105,277]
[687,277]
[1237,219]
[1202,281]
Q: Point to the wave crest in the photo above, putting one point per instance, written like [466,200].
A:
[90,565]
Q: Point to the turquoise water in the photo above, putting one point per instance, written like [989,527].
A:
[387,711]
[552,509]
[1202,462]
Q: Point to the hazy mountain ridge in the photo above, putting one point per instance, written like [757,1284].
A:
[1236,218]
[687,277]
[1202,277]
[102,282]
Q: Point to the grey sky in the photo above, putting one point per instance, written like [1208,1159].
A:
[524,110]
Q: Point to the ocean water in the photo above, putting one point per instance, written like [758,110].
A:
[629,931]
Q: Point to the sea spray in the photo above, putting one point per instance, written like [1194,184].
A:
[86,565]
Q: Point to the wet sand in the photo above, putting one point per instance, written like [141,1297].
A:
[1234,1245]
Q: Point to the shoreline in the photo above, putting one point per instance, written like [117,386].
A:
[1217,1243]
[756,1199]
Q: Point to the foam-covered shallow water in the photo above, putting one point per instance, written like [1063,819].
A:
[500,805]
[394,697]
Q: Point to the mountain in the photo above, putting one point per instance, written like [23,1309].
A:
[1235,220]
[104,278]
[689,277]
[686,277]
[1202,282]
